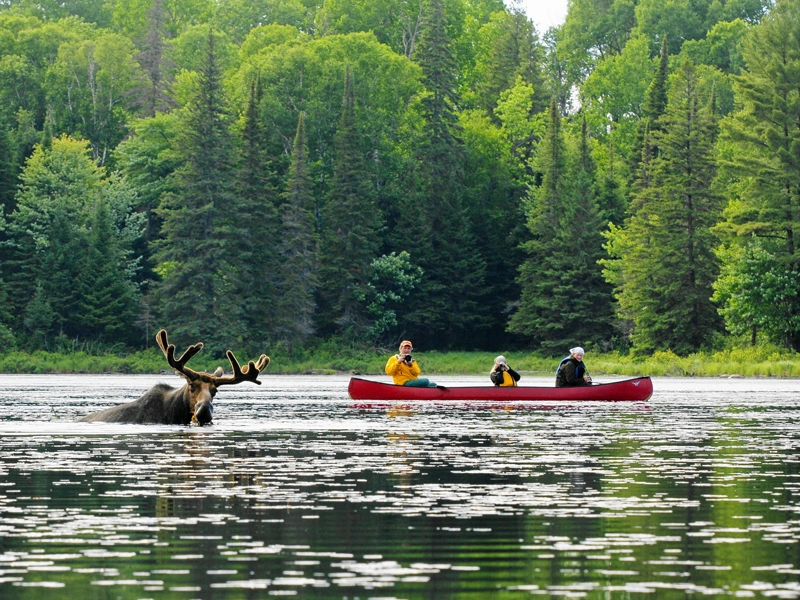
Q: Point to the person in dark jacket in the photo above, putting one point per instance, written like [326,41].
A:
[572,372]
[502,375]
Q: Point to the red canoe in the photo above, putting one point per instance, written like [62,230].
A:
[640,388]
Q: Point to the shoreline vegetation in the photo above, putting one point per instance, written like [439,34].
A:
[758,361]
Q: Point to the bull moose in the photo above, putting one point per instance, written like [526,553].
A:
[192,403]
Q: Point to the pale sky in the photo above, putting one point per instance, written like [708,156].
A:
[545,13]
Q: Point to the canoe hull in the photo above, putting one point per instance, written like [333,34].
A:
[627,390]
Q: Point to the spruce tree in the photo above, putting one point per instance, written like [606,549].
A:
[201,275]
[8,172]
[515,52]
[666,264]
[298,251]
[654,105]
[257,242]
[564,299]
[447,311]
[110,301]
[350,224]
[155,95]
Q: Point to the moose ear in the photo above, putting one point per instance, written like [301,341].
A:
[219,372]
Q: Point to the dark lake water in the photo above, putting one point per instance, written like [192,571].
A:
[293,491]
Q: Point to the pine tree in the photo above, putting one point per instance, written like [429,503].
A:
[765,133]
[298,251]
[197,296]
[448,308]
[663,280]
[350,223]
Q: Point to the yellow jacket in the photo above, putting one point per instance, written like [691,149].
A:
[402,371]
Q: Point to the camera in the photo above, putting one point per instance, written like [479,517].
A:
[408,358]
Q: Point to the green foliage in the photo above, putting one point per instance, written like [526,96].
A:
[87,87]
[74,258]
[595,30]
[393,279]
[350,223]
[434,155]
[448,307]
[757,292]
[509,52]
[617,86]
[298,252]
[564,297]
[721,48]
[191,49]
[665,251]
[761,140]
[203,224]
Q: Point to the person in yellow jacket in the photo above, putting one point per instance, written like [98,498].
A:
[502,375]
[405,370]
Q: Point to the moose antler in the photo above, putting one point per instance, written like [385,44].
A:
[180,364]
[248,373]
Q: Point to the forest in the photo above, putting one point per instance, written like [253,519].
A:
[262,174]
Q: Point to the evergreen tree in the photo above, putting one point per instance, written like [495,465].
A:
[110,300]
[156,93]
[48,231]
[764,171]
[257,242]
[665,265]
[534,317]
[654,105]
[61,269]
[350,223]
[38,320]
[514,52]
[8,340]
[564,299]
[298,251]
[8,172]
[447,311]
[591,308]
[201,275]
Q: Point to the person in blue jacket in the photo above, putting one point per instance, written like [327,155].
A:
[571,371]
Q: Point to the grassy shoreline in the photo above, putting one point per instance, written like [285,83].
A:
[760,361]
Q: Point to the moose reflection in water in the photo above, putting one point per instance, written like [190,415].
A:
[165,405]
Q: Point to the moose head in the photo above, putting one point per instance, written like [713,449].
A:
[190,404]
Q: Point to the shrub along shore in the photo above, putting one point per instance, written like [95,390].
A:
[760,361]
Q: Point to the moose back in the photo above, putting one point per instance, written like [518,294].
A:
[192,403]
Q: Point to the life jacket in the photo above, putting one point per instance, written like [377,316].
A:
[580,371]
[503,379]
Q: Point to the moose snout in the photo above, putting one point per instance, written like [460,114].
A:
[203,412]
